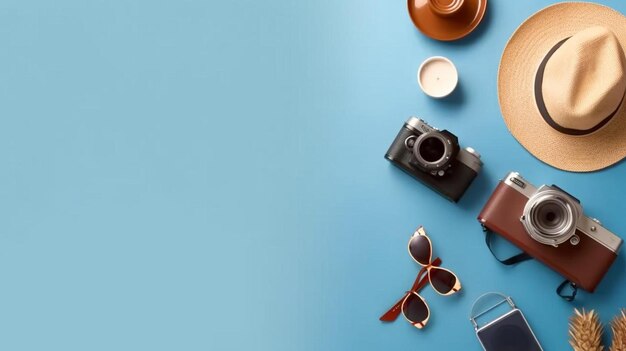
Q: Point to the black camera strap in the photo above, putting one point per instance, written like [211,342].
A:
[572,295]
[521,257]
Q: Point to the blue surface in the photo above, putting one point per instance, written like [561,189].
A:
[194,175]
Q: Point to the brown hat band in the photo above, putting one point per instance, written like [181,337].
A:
[541,105]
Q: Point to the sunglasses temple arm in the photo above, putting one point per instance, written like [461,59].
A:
[394,312]
[420,281]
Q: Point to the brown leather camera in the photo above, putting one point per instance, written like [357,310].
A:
[548,224]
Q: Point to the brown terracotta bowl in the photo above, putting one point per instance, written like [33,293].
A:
[447,19]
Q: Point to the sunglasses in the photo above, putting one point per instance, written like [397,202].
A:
[443,281]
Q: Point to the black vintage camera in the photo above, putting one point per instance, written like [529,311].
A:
[435,158]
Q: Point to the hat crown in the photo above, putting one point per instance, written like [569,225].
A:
[585,79]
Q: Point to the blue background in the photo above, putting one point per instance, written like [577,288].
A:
[204,175]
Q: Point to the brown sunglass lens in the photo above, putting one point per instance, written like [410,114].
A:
[442,280]
[419,246]
[415,309]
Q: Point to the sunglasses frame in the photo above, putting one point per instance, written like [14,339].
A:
[422,232]
[420,281]
[423,278]
[419,324]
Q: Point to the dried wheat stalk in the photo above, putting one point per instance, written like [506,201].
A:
[585,331]
[618,327]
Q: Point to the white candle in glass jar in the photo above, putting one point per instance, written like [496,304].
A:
[437,77]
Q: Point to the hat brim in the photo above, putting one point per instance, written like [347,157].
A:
[516,76]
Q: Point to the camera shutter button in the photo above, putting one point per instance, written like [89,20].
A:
[593,227]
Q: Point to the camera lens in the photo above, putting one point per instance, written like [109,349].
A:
[550,216]
[432,149]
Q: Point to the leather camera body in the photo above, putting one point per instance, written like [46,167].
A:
[584,256]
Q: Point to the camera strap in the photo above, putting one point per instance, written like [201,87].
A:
[521,257]
[572,295]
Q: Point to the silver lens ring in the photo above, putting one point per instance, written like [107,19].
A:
[550,216]
[438,156]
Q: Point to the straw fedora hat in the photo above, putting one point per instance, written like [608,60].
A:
[562,84]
